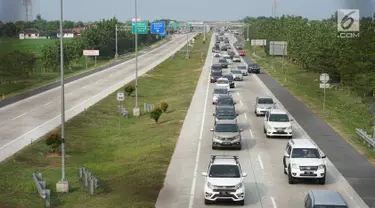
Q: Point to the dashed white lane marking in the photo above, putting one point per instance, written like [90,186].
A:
[47,103]
[19,116]
[241,102]
[98,81]
[251,134]
[260,162]
[273,202]
[238,93]
[69,93]
[245,115]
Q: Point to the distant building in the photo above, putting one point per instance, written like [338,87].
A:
[30,33]
[67,33]
[78,31]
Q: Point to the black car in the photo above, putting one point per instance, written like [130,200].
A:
[224,100]
[231,54]
[225,112]
[217,45]
[223,63]
[223,48]
[253,68]
[231,80]
[216,67]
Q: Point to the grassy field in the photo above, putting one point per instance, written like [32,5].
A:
[344,111]
[43,78]
[27,45]
[130,164]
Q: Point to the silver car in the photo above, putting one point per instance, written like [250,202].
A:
[236,58]
[218,91]
[243,69]
[237,75]
[263,105]
[226,133]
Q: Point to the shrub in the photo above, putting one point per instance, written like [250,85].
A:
[164,106]
[156,113]
[129,89]
[204,41]
[53,140]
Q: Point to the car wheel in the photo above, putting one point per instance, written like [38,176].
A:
[291,180]
[239,147]
[207,201]
[268,136]
[264,130]
[284,167]
[242,202]
[213,147]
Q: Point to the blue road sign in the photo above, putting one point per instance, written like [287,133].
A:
[163,34]
[157,27]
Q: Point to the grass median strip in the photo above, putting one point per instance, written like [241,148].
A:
[345,110]
[130,164]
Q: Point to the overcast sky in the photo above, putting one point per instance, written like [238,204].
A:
[91,10]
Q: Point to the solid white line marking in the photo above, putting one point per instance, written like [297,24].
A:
[19,116]
[241,102]
[245,115]
[98,81]
[47,103]
[260,162]
[238,93]
[199,146]
[84,86]
[251,133]
[273,202]
[69,93]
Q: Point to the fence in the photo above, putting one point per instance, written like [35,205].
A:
[88,180]
[148,107]
[41,187]
[366,137]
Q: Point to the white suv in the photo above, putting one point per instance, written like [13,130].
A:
[223,82]
[224,180]
[277,123]
[303,159]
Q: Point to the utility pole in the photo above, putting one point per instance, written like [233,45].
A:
[116,55]
[136,111]
[248,32]
[187,43]
[62,186]
[282,63]
[204,33]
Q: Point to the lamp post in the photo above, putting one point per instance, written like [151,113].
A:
[62,186]
[136,110]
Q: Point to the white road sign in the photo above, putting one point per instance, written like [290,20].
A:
[120,96]
[324,85]
[91,52]
[324,78]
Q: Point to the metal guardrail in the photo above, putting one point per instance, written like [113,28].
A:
[366,137]
[88,180]
[41,187]
[148,107]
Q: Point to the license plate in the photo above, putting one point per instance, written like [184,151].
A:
[280,131]
[226,143]
[306,172]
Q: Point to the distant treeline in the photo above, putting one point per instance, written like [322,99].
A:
[315,46]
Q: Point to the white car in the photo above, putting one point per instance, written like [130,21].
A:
[237,75]
[223,83]
[277,123]
[263,104]
[227,57]
[224,180]
[218,91]
[243,69]
[302,159]
[236,58]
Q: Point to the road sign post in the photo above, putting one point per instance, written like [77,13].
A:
[324,78]
[87,53]
[120,98]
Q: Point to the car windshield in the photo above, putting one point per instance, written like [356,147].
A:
[226,128]
[222,81]
[224,171]
[220,91]
[239,48]
[226,57]
[236,57]
[225,101]
[229,77]
[241,67]
[214,73]
[236,72]
[330,206]
[265,101]
[305,153]
[222,61]
[279,118]
[225,112]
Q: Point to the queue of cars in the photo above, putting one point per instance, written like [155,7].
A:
[302,158]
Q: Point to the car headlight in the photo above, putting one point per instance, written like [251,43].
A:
[289,128]
[216,137]
[321,167]
[295,166]
[209,185]
[238,137]
[238,186]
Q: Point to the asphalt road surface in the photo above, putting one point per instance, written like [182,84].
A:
[266,184]
[29,119]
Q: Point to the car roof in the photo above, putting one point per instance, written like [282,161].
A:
[226,107]
[226,161]
[327,197]
[222,78]
[220,87]
[302,143]
[277,111]
[226,122]
[264,97]
[225,97]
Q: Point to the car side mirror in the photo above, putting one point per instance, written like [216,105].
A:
[324,156]
[244,174]
[234,103]
[291,119]
[214,114]
[204,174]
[236,114]
[241,130]
[286,155]
[211,129]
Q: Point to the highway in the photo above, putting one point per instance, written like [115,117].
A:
[261,158]
[29,119]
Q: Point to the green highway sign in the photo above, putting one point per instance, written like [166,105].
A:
[190,25]
[174,25]
[142,28]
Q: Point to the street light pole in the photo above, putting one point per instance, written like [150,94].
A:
[116,55]
[187,42]
[63,184]
[136,111]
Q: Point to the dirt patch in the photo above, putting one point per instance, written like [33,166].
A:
[53,154]
[197,70]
